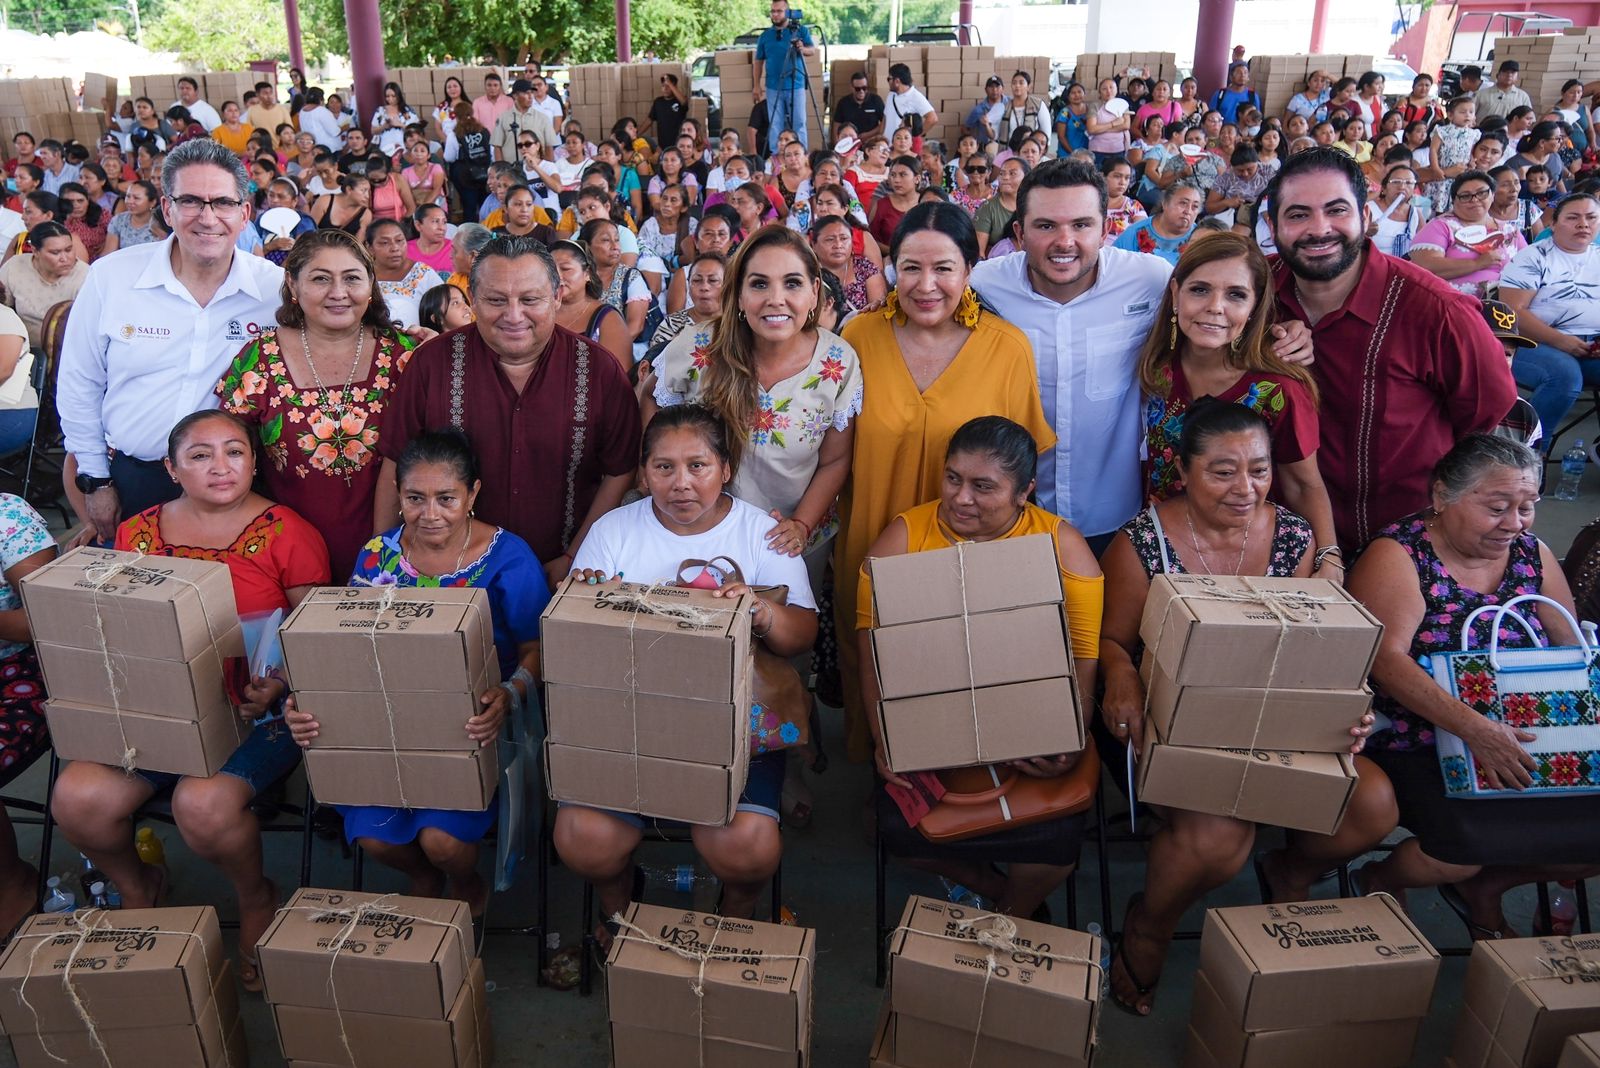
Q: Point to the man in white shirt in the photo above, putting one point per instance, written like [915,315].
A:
[1504,96]
[318,121]
[199,110]
[904,102]
[153,329]
[1087,311]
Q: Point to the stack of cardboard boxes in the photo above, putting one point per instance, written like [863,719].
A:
[647,699]
[881,57]
[593,93]
[219,87]
[25,101]
[973,655]
[952,96]
[748,1005]
[1581,1051]
[1159,66]
[1524,997]
[137,988]
[1550,60]
[954,1002]
[1251,705]
[1277,78]
[357,979]
[392,676]
[100,92]
[1320,984]
[736,75]
[135,652]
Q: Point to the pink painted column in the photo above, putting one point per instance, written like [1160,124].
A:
[624,33]
[366,56]
[965,18]
[1319,25]
[291,19]
[1213,45]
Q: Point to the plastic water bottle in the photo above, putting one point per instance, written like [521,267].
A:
[113,896]
[1572,465]
[88,877]
[150,848]
[683,878]
[1105,954]
[1563,917]
[97,894]
[58,900]
[960,895]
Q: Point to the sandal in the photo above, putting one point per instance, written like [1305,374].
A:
[1458,905]
[1141,989]
[249,972]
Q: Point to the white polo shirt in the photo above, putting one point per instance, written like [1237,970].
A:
[321,125]
[1087,352]
[200,112]
[140,353]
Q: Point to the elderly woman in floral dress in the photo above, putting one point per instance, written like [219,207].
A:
[315,389]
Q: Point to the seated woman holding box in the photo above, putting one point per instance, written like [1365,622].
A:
[1222,524]
[1422,577]
[439,543]
[988,475]
[689,457]
[275,559]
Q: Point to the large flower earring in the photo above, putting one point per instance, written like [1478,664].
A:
[968,309]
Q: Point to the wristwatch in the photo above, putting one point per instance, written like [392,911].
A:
[87,484]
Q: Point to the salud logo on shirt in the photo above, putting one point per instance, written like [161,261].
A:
[238,331]
[130,332]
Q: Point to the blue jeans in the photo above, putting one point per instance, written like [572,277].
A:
[786,110]
[1556,380]
[16,428]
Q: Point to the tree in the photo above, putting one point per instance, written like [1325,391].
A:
[221,34]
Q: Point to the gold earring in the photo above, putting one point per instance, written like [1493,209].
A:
[1172,337]
[1234,344]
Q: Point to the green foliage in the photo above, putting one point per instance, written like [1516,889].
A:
[69,16]
[221,34]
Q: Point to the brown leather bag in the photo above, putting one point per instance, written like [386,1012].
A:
[781,714]
[992,798]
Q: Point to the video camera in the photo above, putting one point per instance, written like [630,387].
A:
[796,17]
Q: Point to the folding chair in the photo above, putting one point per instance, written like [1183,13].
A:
[1586,407]
[1087,772]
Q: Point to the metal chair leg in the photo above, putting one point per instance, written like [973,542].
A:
[881,903]
[307,836]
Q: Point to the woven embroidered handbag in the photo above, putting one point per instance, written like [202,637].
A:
[1550,691]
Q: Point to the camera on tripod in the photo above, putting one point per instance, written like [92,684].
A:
[796,17]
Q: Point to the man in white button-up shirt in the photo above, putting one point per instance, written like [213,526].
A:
[153,329]
[1087,311]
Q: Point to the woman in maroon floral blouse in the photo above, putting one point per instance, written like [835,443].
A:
[315,389]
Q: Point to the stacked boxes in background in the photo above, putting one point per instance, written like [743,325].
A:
[1251,708]
[754,1009]
[1548,61]
[100,92]
[1276,78]
[647,699]
[1523,997]
[1305,984]
[953,80]
[219,87]
[392,676]
[736,73]
[945,1006]
[135,654]
[25,101]
[352,984]
[594,92]
[641,84]
[1093,66]
[881,57]
[156,984]
[973,655]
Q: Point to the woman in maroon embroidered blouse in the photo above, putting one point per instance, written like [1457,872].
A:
[1422,577]
[315,389]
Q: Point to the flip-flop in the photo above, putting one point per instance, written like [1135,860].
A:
[1141,989]
[1458,905]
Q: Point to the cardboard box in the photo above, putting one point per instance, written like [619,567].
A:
[179,747]
[604,636]
[757,990]
[882,1053]
[671,728]
[461,781]
[135,968]
[999,575]
[662,789]
[161,607]
[174,689]
[1304,791]
[925,1044]
[1523,997]
[461,1039]
[1308,721]
[1025,719]
[985,649]
[420,720]
[1317,963]
[1039,1003]
[1199,640]
[428,639]
[1383,1043]
[216,1040]
[1581,1051]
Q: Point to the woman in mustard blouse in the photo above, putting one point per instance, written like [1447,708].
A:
[988,474]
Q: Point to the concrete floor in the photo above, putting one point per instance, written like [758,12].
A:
[827,882]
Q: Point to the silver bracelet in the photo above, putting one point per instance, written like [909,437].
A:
[1325,552]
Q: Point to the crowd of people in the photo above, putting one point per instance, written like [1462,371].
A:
[1175,338]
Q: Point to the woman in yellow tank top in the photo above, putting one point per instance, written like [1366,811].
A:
[988,475]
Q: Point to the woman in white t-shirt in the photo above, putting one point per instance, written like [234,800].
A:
[689,515]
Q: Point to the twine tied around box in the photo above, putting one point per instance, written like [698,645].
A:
[390,592]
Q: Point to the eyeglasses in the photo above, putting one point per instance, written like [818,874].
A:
[858,88]
[1402,182]
[1482,194]
[977,170]
[221,207]
[527,144]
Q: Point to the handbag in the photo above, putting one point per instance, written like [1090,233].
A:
[780,706]
[1552,691]
[984,800]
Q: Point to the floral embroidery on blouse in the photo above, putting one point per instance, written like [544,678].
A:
[144,536]
[1163,426]
[325,439]
[385,562]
